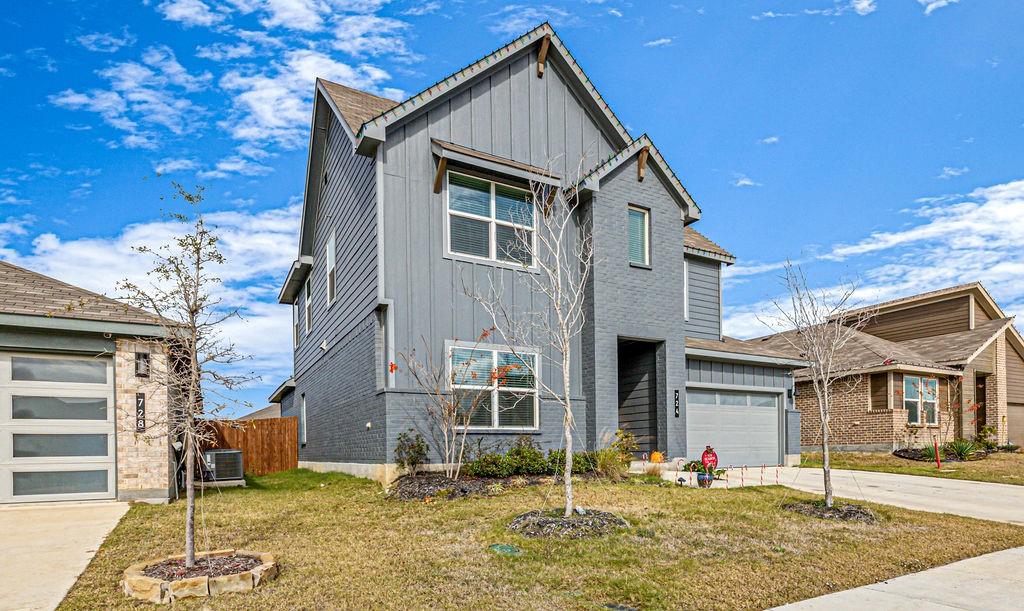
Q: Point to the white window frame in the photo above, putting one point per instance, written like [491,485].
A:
[647,235]
[686,290]
[492,221]
[295,323]
[494,388]
[307,295]
[922,409]
[332,279]
[302,419]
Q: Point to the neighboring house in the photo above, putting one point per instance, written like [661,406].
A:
[407,201]
[940,365]
[271,411]
[74,367]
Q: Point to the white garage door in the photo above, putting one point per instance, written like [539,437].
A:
[742,427]
[56,428]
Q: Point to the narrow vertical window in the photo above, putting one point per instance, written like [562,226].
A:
[686,289]
[295,323]
[639,236]
[331,274]
[912,398]
[308,299]
[302,420]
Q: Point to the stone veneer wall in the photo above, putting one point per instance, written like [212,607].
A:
[144,460]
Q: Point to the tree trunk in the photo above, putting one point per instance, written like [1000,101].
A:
[826,466]
[567,423]
[190,503]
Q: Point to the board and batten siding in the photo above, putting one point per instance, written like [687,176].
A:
[705,320]
[510,113]
[1014,375]
[927,320]
[348,210]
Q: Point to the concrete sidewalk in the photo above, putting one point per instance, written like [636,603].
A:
[46,548]
[992,581]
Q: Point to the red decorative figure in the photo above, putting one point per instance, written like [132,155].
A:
[709,458]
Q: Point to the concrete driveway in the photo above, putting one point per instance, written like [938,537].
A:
[46,548]
[997,502]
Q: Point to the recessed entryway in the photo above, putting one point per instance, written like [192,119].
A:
[638,392]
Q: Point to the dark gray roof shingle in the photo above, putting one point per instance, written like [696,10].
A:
[958,348]
[357,107]
[702,244]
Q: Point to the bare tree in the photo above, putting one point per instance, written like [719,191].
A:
[454,395]
[554,244]
[199,361]
[820,323]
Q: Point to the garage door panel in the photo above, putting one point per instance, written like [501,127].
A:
[57,438]
[742,427]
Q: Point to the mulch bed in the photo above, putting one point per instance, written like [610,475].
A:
[581,524]
[174,569]
[430,486]
[918,455]
[843,512]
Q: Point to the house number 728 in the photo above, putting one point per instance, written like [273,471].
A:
[140,412]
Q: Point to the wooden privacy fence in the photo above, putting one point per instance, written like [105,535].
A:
[267,445]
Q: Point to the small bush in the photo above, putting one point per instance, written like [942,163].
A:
[608,463]
[490,464]
[961,449]
[928,453]
[526,459]
[410,451]
[582,462]
[1009,447]
[625,443]
[654,470]
[984,438]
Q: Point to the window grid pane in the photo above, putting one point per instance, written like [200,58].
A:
[497,211]
[515,409]
[513,205]
[59,482]
[637,236]
[470,195]
[32,445]
[76,371]
[470,236]
[472,367]
[511,246]
[58,408]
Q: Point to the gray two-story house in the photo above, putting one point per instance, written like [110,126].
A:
[408,203]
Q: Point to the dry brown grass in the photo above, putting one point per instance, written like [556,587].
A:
[1001,467]
[342,545]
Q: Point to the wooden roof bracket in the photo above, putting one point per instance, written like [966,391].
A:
[542,55]
[442,165]
[641,167]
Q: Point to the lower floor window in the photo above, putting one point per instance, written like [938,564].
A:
[495,388]
[921,399]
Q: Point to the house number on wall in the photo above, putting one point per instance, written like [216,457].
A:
[140,412]
[677,403]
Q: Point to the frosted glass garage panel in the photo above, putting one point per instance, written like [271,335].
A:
[75,371]
[30,483]
[58,408]
[45,445]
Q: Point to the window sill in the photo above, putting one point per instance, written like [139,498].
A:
[640,266]
[481,431]
[491,262]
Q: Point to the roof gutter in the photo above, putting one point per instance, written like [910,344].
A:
[296,275]
[82,325]
[746,358]
[895,367]
[279,393]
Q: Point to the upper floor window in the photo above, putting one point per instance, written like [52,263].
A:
[295,323]
[639,236]
[501,384]
[489,220]
[921,399]
[686,289]
[331,268]
[308,303]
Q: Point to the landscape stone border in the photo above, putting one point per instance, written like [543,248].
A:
[137,585]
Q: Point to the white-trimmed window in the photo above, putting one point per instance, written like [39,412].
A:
[295,323]
[487,220]
[501,382]
[302,419]
[639,235]
[331,268]
[308,304]
[686,289]
[921,399]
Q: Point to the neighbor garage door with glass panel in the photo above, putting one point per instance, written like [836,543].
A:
[56,428]
[744,428]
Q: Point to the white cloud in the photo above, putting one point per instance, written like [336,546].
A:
[863,7]
[303,15]
[424,8]
[951,172]
[362,35]
[860,7]
[171,165]
[105,42]
[189,12]
[614,12]
[658,42]
[518,19]
[273,105]
[7,72]
[742,180]
[236,164]
[771,15]
[220,51]
[770,140]
[934,5]
[258,247]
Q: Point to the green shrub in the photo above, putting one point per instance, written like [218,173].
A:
[961,449]
[1008,447]
[489,464]
[984,438]
[928,453]
[524,458]
[582,462]
[625,443]
[410,451]
[608,463]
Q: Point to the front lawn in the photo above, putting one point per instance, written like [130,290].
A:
[342,545]
[1001,467]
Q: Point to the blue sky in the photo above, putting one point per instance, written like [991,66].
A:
[870,140]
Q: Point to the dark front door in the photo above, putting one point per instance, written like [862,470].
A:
[980,388]
[638,397]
